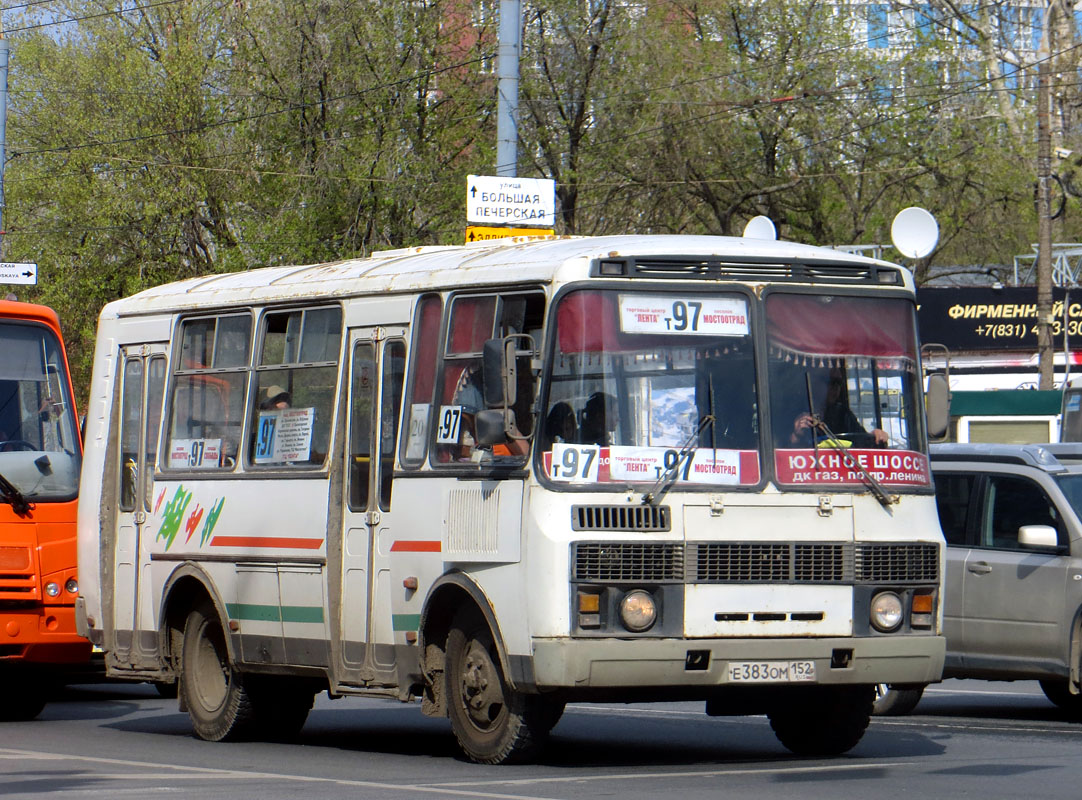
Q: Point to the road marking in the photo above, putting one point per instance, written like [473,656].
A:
[997,693]
[711,773]
[449,788]
[969,726]
[175,771]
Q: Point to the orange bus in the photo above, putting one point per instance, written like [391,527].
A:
[40,457]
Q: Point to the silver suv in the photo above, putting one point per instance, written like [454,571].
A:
[1013,596]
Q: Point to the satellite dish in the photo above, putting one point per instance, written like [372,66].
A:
[760,228]
[914,232]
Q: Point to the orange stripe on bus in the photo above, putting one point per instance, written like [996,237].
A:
[266,541]
[416,546]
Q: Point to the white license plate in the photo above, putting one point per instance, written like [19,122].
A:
[771,671]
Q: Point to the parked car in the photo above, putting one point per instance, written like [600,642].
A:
[1013,595]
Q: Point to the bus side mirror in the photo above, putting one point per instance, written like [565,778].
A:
[498,372]
[937,406]
[488,425]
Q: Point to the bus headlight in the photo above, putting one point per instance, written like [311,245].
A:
[52,588]
[72,586]
[638,611]
[886,611]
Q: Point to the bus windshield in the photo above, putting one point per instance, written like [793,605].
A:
[39,450]
[844,380]
[650,386]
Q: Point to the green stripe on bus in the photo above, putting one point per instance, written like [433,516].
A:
[405,622]
[302,614]
[269,613]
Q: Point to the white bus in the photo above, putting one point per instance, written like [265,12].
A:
[507,476]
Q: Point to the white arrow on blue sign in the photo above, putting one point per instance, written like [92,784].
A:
[14,272]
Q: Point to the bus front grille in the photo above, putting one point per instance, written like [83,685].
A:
[618,562]
[895,563]
[620,518]
[755,562]
[811,562]
[765,562]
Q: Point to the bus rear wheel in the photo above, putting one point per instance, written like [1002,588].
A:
[493,723]
[211,688]
[823,721]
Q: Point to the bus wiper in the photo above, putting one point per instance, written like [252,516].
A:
[848,459]
[10,494]
[668,477]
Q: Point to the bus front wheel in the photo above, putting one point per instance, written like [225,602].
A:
[493,723]
[211,688]
[823,721]
[22,698]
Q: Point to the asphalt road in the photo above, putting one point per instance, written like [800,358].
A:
[966,739]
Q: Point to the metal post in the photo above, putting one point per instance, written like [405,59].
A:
[507,88]
[1045,350]
[3,128]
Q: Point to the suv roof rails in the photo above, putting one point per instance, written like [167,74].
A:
[1030,455]
[1065,452]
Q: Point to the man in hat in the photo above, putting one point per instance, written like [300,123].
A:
[275,397]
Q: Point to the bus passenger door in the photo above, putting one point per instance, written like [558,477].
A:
[377,363]
[134,617]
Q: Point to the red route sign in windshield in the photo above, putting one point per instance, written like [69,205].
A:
[897,467]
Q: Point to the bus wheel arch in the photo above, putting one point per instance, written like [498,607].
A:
[188,588]
[448,595]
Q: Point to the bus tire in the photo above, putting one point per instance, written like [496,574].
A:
[23,698]
[896,700]
[824,721]
[212,689]
[493,723]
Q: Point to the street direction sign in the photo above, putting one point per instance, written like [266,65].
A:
[13,272]
[481,233]
[499,200]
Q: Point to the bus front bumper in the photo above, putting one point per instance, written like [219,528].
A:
[639,663]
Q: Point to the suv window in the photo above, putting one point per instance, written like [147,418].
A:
[952,494]
[1010,503]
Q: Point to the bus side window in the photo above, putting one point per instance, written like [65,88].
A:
[473,320]
[131,422]
[296,379]
[206,396]
[394,367]
[426,335]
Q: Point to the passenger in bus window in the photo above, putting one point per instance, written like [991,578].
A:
[599,419]
[469,397]
[838,417]
[560,425]
[275,397]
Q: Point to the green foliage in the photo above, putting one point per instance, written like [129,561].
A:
[153,142]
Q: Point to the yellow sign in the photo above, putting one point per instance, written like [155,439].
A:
[479,233]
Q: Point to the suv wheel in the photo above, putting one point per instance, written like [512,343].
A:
[896,699]
[1059,693]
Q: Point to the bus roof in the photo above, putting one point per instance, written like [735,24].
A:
[503,261]
[14,309]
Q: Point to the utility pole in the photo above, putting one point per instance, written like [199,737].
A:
[1044,204]
[507,58]
[3,127]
